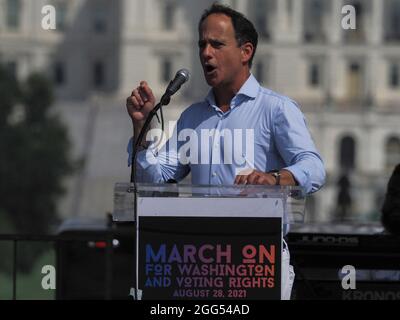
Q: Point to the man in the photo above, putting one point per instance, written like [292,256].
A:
[281,149]
[391,205]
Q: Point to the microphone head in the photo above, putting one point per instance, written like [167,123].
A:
[180,78]
[184,73]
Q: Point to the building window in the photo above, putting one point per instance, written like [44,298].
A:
[354,67]
[357,35]
[98,74]
[166,70]
[13,13]
[290,7]
[99,20]
[347,153]
[392,153]
[355,82]
[11,68]
[260,72]
[169,15]
[394,75]
[392,20]
[314,21]
[61,15]
[99,25]
[314,75]
[260,12]
[59,73]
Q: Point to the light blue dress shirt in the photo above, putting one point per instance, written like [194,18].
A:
[268,124]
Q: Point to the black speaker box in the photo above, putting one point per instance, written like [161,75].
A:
[319,257]
[95,262]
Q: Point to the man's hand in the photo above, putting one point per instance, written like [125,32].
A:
[140,103]
[257,177]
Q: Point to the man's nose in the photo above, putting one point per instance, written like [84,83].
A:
[206,51]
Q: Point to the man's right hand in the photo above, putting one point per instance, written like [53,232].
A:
[140,103]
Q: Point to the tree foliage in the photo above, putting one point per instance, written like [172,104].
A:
[34,154]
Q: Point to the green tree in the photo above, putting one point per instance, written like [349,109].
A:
[34,157]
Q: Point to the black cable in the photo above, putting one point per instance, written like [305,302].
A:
[162,120]
[133,187]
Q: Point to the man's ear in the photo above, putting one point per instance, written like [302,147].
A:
[247,52]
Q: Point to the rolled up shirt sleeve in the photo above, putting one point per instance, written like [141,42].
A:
[147,166]
[296,147]
[158,166]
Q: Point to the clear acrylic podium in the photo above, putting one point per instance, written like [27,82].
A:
[209,242]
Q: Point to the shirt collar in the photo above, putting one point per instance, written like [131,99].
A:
[249,89]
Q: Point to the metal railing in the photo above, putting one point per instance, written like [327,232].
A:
[107,238]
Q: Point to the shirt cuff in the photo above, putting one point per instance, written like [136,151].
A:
[302,177]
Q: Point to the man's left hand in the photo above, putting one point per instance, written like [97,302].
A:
[258,177]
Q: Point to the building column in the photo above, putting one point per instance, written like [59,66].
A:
[337,76]
[297,20]
[336,22]
[375,81]
[283,25]
[377,8]
[132,19]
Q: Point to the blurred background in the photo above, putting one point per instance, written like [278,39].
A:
[64,127]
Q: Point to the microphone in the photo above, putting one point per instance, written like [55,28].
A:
[181,77]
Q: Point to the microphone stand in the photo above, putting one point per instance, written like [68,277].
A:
[166,98]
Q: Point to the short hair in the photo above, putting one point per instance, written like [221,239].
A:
[244,29]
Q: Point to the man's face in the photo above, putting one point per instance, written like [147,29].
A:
[220,55]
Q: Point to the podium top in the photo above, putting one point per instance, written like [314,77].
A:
[293,198]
